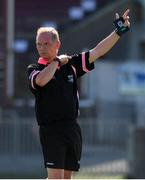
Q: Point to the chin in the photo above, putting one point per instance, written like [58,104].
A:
[46,57]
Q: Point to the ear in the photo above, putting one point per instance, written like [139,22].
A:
[58,44]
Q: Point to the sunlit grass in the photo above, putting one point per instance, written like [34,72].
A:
[95,176]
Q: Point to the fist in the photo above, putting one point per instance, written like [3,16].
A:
[63,59]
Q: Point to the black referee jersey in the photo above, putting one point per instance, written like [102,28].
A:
[57,101]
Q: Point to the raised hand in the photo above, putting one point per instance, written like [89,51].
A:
[122,23]
[125,17]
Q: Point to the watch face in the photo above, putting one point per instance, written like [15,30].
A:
[120,23]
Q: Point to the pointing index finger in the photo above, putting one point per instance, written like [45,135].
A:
[126,13]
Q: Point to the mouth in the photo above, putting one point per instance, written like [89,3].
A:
[43,54]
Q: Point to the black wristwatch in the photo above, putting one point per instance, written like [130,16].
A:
[120,28]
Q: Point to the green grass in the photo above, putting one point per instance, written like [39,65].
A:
[93,175]
[75,176]
[82,174]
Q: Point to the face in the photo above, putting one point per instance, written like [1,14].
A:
[46,47]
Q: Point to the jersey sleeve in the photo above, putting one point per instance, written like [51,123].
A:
[80,63]
[32,71]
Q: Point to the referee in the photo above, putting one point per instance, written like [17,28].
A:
[53,81]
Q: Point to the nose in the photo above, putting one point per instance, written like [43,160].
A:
[41,47]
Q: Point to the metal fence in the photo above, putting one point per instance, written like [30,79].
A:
[104,146]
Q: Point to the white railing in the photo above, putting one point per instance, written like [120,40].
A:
[21,135]
[19,141]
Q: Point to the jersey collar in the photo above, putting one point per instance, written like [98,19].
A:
[43,61]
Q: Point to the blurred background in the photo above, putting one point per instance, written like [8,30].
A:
[112,97]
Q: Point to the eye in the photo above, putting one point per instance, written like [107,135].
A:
[46,44]
[38,44]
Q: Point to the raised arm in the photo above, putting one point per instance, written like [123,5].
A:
[122,25]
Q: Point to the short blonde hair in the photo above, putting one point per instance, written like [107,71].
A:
[50,30]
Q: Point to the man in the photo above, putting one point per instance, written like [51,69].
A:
[53,83]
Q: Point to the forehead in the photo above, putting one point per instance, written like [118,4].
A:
[44,37]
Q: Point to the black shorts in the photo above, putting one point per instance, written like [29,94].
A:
[61,146]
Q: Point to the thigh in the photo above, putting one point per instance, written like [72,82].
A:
[74,150]
[53,148]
